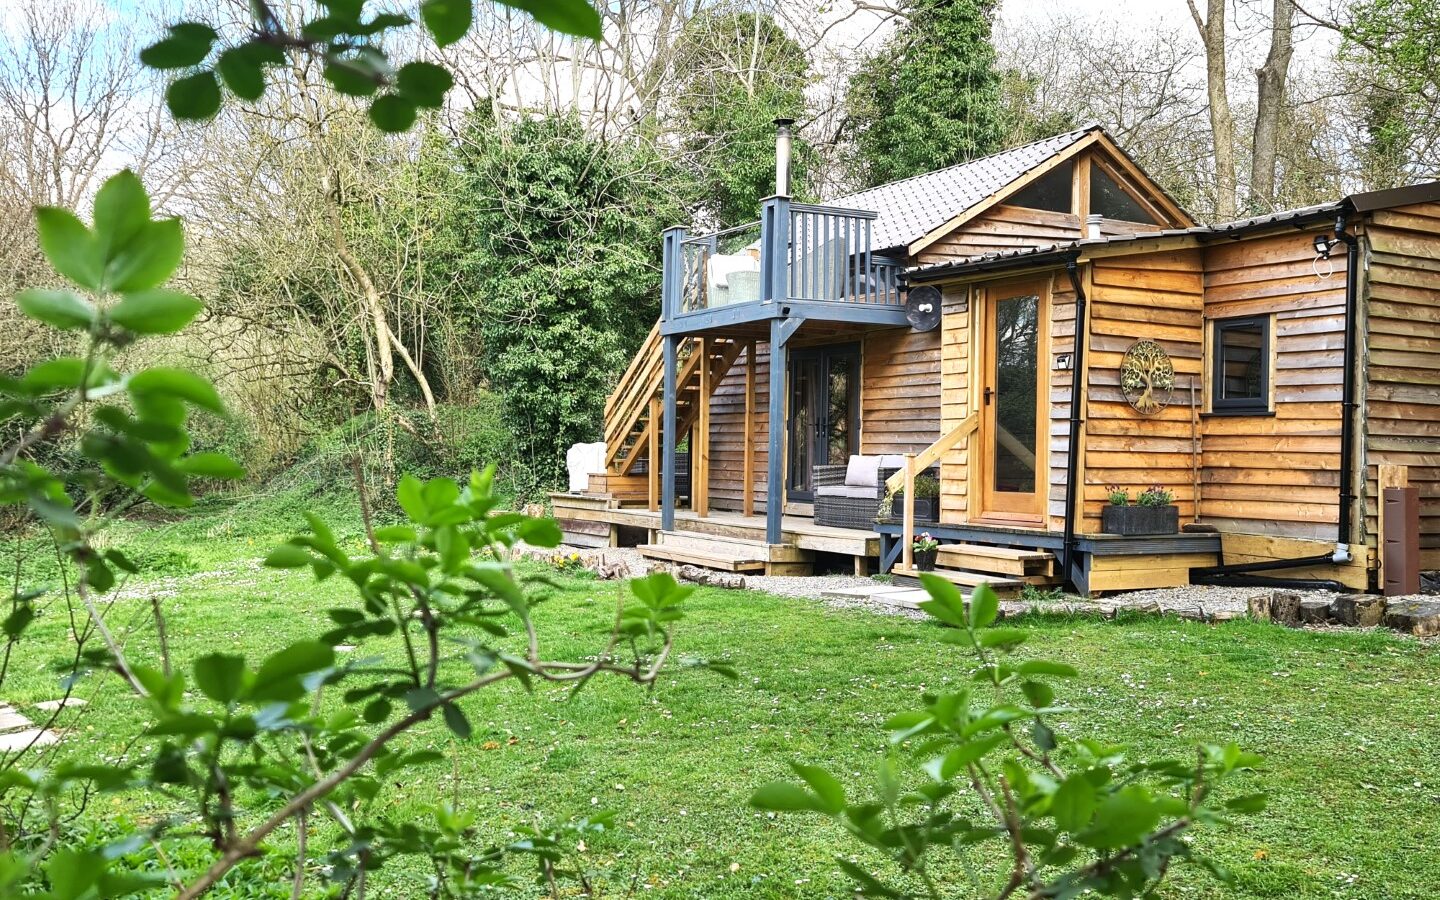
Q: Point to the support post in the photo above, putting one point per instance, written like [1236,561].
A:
[671,272]
[700,437]
[908,528]
[775,249]
[652,476]
[667,441]
[775,477]
[747,503]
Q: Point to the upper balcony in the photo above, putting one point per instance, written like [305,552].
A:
[799,261]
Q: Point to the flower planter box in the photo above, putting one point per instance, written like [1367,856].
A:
[925,559]
[927,509]
[1136,520]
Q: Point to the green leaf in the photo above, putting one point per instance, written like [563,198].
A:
[424,83]
[147,260]
[781,796]
[392,113]
[122,211]
[1122,819]
[455,720]
[540,532]
[1038,693]
[243,72]
[576,17]
[157,311]
[58,309]
[973,751]
[1073,803]
[194,98]
[826,787]
[410,493]
[69,246]
[984,607]
[276,676]
[211,465]
[288,556]
[179,384]
[18,620]
[187,45]
[1248,803]
[1002,638]
[447,20]
[220,676]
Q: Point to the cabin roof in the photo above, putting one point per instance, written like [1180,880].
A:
[913,207]
[1040,255]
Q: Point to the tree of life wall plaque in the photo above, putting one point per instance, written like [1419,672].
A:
[1147,377]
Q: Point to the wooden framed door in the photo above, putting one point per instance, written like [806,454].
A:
[1010,444]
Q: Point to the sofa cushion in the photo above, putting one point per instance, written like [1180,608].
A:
[863,471]
[892,461]
[847,490]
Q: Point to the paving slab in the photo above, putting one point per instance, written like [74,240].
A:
[10,719]
[31,737]
[52,705]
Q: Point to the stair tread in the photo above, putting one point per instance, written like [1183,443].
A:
[683,554]
[965,578]
[1008,553]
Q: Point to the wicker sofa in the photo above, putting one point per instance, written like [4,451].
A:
[846,497]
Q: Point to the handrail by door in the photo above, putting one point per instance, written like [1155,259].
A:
[918,463]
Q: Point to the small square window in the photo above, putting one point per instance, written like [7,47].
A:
[1240,364]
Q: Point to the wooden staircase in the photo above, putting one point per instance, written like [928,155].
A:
[728,554]
[634,410]
[1006,569]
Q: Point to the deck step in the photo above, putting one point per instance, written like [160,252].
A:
[707,542]
[718,557]
[1003,585]
[997,560]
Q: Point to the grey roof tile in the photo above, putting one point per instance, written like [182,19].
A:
[911,208]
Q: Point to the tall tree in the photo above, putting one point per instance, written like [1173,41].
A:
[1222,121]
[931,97]
[738,71]
[1270,105]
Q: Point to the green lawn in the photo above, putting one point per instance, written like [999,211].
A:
[1347,723]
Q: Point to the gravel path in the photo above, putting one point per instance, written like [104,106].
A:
[1192,601]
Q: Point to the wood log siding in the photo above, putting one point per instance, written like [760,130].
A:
[727,435]
[955,401]
[1157,296]
[1002,228]
[899,391]
[1402,384]
[1278,474]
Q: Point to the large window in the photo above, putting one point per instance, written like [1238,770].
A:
[1051,191]
[1240,363]
[1112,201]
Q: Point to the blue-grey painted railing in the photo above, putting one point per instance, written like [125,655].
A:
[797,251]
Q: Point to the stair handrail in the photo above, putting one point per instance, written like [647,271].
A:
[642,361]
[906,478]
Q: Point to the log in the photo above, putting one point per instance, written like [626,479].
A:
[1358,611]
[1285,608]
[711,578]
[1314,612]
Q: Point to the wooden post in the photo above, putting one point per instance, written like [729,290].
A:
[653,476]
[1388,476]
[775,464]
[747,479]
[667,442]
[700,437]
[908,529]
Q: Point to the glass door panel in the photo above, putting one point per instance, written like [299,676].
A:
[1012,412]
[824,413]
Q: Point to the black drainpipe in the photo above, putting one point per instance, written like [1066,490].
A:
[1077,361]
[1240,574]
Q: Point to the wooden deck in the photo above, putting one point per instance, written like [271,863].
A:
[589,520]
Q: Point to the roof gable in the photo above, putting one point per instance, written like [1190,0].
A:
[915,211]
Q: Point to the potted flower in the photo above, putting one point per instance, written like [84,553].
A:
[1152,513]
[927,500]
[923,550]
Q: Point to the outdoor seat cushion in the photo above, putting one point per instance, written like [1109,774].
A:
[863,471]
[847,490]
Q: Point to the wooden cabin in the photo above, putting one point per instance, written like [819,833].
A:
[1270,374]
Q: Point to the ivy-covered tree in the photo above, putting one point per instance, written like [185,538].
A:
[931,97]
[738,72]
[560,240]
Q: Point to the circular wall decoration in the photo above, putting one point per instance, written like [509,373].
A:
[1147,376]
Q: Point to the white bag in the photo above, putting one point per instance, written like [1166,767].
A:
[583,460]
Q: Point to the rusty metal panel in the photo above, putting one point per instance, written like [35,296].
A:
[1400,557]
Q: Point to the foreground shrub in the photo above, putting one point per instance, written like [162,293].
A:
[984,767]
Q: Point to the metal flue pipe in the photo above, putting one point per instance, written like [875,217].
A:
[782,156]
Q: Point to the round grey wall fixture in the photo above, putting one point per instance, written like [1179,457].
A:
[922,307]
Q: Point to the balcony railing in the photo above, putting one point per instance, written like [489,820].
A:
[796,252]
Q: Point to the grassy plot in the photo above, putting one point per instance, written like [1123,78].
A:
[1347,723]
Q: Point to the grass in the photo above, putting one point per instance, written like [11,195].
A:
[1347,723]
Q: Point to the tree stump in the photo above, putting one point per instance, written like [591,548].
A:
[1358,611]
[1285,608]
[1259,607]
[1314,612]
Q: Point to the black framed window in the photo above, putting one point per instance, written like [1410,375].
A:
[1240,365]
